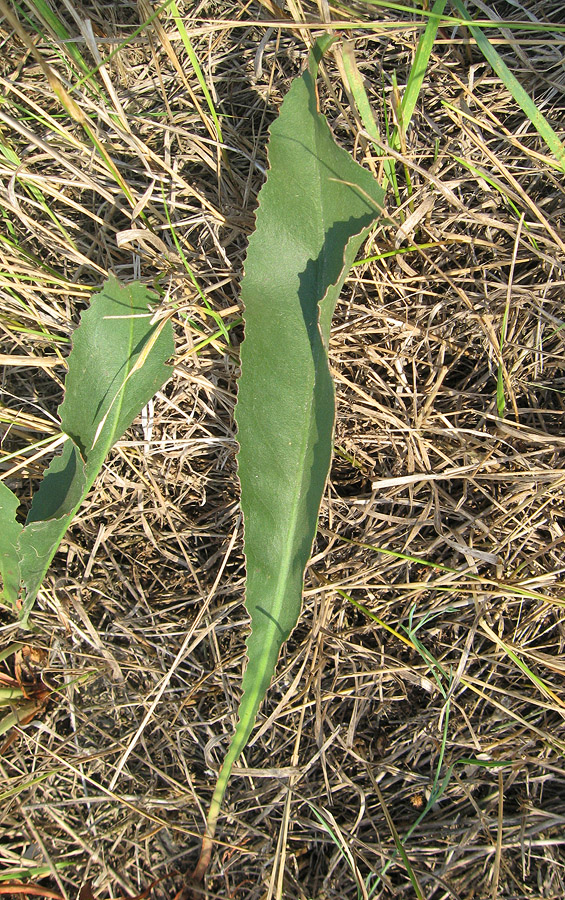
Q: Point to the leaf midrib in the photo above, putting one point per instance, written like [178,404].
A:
[115,417]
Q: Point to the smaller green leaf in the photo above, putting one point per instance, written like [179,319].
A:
[10,529]
[117,363]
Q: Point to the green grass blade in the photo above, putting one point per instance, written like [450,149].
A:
[34,192]
[419,69]
[196,66]
[447,20]
[122,45]
[500,395]
[357,88]
[512,84]
[46,15]
[535,679]
[398,842]
[315,209]
[214,315]
[117,363]
[411,94]
[330,826]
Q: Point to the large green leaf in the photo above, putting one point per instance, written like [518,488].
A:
[316,207]
[117,363]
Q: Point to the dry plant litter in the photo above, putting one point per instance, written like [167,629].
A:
[426,672]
